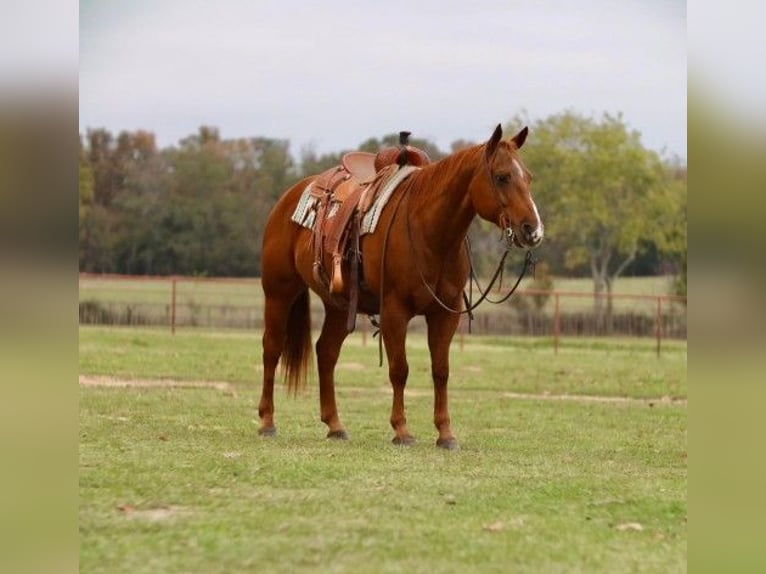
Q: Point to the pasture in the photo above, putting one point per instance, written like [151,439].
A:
[238,303]
[247,292]
[570,462]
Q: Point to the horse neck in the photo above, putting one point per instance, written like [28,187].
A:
[440,204]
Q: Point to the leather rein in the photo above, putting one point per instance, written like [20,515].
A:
[470,306]
[468,299]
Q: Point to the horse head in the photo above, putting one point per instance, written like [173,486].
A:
[500,191]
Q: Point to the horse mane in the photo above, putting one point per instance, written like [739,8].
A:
[434,177]
[452,166]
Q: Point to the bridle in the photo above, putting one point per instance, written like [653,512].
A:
[470,306]
[504,222]
[508,233]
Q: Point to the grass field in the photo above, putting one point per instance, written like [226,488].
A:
[174,479]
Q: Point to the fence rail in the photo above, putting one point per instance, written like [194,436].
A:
[237,303]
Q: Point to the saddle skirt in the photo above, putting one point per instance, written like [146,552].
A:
[339,206]
[306,210]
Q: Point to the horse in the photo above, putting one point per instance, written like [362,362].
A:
[415,263]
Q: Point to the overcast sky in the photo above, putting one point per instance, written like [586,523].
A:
[332,74]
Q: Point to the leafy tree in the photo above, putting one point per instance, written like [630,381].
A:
[107,179]
[676,246]
[139,205]
[200,207]
[85,185]
[220,196]
[98,185]
[85,199]
[603,194]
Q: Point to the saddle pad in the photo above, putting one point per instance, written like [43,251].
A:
[305,212]
[370,219]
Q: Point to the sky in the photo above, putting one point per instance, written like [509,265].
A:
[329,75]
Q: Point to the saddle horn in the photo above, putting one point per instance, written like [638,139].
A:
[404,139]
[401,155]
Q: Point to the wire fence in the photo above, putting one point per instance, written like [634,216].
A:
[233,303]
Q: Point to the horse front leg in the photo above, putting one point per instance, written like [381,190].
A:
[394,333]
[441,328]
[328,347]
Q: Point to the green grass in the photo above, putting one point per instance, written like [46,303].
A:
[175,479]
[616,367]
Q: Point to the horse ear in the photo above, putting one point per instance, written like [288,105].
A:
[520,137]
[497,135]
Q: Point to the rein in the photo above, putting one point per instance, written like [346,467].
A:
[378,324]
[470,307]
[509,237]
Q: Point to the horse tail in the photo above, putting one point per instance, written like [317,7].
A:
[298,351]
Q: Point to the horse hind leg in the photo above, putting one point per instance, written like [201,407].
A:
[274,333]
[279,313]
[328,348]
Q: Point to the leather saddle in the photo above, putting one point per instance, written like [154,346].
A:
[344,194]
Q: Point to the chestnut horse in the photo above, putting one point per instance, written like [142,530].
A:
[415,263]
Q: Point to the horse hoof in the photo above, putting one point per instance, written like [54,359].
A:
[447,443]
[338,435]
[267,431]
[403,440]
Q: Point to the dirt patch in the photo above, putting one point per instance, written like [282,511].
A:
[159,514]
[666,400]
[96,381]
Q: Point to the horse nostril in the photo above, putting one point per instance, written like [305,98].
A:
[533,235]
[527,229]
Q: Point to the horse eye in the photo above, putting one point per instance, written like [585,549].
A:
[502,178]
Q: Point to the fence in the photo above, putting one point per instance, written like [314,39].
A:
[238,304]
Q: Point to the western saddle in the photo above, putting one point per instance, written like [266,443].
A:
[343,195]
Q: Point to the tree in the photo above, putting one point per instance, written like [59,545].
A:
[99,184]
[139,206]
[603,195]
[198,208]
[676,246]
[85,200]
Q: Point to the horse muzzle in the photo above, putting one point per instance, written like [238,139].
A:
[533,236]
[527,237]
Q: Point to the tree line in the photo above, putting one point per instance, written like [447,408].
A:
[610,205]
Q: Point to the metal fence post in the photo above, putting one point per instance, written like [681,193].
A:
[659,324]
[556,324]
[173,307]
